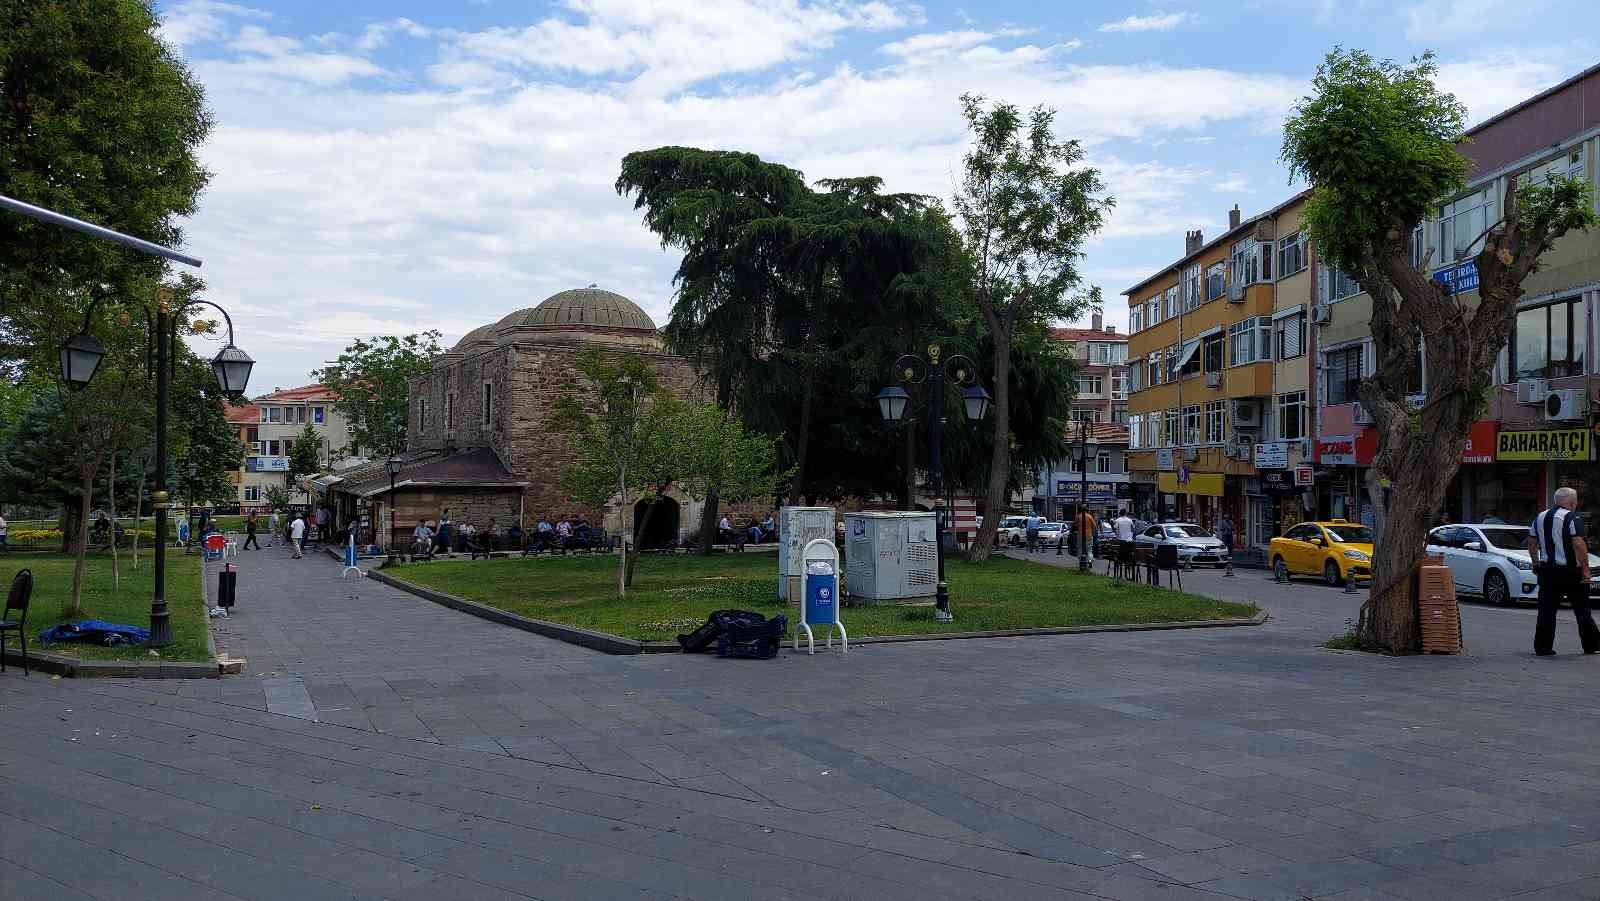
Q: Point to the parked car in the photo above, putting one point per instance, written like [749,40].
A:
[1490,561]
[1194,544]
[1335,550]
[1052,531]
[1012,530]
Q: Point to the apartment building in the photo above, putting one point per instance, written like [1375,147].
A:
[1102,357]
[1539,431]
[1219,417]
[280,418]
[1099,483]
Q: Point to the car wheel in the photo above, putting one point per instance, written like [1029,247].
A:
[1495,589]
[1330,573]
[1280,570]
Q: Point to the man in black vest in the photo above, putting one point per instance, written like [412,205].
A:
[1561,558]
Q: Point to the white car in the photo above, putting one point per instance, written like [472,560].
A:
[1491,561]
[1195,544]
[1013,530]
[1051,531]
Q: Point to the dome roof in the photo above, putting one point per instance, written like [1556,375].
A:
[594,307]
[483,334]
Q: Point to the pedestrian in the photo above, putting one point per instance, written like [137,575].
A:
[1086,525]
[422,540]
[297,536]
[441,539]
[1225,531]
[1561,560]
[1034,522]
[275,527]
[250,542]
[1494,518]
[4,546]
[324,522]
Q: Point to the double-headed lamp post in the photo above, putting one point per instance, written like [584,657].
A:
[912,369]
[80,358]
[1081,455]
[394,464]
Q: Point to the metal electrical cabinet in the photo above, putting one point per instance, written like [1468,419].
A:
[796,526]
[891,556]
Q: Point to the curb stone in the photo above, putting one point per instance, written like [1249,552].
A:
[615,644]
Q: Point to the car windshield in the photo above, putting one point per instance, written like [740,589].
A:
[1350,534]
[1509,539]
[1186,532]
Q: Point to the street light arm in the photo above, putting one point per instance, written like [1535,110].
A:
[98,231]
[197,302]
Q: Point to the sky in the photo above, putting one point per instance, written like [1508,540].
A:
[393,166]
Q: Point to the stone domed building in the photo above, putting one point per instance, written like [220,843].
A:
[479,443]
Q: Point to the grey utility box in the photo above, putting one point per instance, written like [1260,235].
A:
[796,527]
[891,556]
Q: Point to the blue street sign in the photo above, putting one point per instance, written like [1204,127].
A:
[1460,278]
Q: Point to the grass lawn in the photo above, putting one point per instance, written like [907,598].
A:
[674,594]
[130,604]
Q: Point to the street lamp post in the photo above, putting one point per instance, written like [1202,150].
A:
[912,369]
[80,358]
[1082,454]
[393,466]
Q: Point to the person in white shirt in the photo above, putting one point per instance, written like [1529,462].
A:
[422,540]
[724,530]
[297,535]
[1123,526]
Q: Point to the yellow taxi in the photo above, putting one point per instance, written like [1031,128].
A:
[1335,550]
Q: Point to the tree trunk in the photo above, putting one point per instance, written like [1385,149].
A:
[643,529]
[622,543]
[708,522]
[75,607]
[1000,454]
[806,395]
[111,502]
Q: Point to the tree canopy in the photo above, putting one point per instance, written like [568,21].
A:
[372,378]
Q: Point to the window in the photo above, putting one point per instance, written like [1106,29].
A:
[1169,433]
[1119,384]
[1090,384]
[1104,354]
[318,415]
[1211,351]
[1156,368]
[1462,224]
[1292,415]
[1135,430]
[1337,286]
[1102,462]
[1119,413]
[1291,336]
[1343,374]
[1216,280]
[1172,303]
[1085,415]
[1214,421]
[274,448]
[488,404]
[252,492]
[1191,286]
[1250,341]
[272,414]
[1250,264]
[450,411]
[1152,311]
[1136,319]
[1568,164]
[294,414]
[1291,254]
[1191,425]
[1418,246]
[1135,377]
[252,435]
[1550,341]
[1185,359]
[422,414]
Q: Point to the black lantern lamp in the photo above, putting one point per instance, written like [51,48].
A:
[80,357]
[232,368]
[976,400]
[892,403]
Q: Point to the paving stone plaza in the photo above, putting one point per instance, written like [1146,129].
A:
[380,746]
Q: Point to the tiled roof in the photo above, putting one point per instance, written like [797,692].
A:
[305,392]
[1086,334]
[240,414]
[1100,432]
[478,466]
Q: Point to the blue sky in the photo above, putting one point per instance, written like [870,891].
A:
[384,167]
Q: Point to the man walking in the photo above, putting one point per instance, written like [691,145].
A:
[1561,559]
[250,532]
[1034,522]
[297,535]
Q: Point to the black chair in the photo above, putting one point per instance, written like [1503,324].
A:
[1128,560]
[1167,560]
[21,591]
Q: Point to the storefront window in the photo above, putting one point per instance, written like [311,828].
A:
[1585,479]
[1507,490]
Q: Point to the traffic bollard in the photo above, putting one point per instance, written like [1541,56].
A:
[1227,571]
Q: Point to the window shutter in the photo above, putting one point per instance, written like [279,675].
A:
[1291,336]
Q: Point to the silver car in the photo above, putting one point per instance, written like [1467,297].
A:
[1194,544]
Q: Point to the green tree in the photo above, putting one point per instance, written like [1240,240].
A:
[716,453]
[1026,207]
[373,381]
[1378,141]
[100,120]
[277,498]
[620,423]
[305,457]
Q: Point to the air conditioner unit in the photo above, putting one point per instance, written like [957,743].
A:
[1566,403]
[1242,444]
[1532,391]
[1236,293]
[1322,314]
[1362,415]
[261,448]
[1213,380]
[1246,413]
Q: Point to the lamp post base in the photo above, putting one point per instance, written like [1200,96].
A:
[1084,564]
[941,604]
[160,626]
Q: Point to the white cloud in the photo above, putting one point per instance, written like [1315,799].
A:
[268,56]
[378,34]
[1444,20]
[1490,83]
[198,21]
[1155,22]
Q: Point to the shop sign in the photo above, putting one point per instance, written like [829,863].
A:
[1480,442]
[1143,477]
[268,464]
[1304,476]
[1337,450]
[1274,455]
[1164,459]
[1545,444]
[1459,278]
[1072,490]
[1208,484]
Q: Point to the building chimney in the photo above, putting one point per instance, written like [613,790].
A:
[1096,322]
[1233,218]
[1111,330]
[1193,241]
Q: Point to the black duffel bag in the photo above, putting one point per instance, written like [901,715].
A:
[757,641]
[716,624]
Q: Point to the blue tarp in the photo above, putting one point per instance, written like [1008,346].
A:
[94,631]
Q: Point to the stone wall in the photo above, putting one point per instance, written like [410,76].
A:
[478,505]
